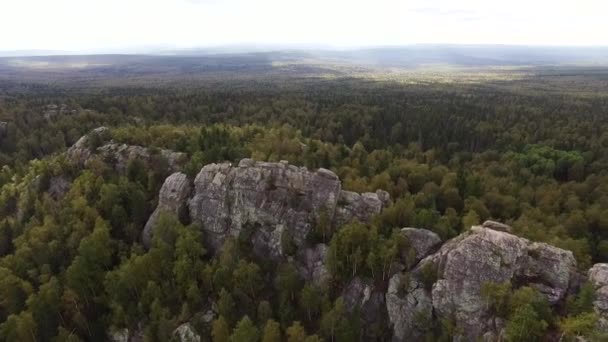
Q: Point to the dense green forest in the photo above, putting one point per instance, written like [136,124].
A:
[527,152]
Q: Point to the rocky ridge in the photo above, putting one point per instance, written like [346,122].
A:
[277,205]
[98,145]
[272,201]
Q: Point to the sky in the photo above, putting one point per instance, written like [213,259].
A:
[90,25]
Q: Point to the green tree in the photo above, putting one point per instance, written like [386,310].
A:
[583,325]
[272,332]
[296,333]
[310,300]
[245,331]
[247,278]
[19,328]
[219,330]
[264,312]
[525,325]
[226,306]
[470,219]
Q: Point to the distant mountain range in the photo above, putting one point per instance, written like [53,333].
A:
[397,56]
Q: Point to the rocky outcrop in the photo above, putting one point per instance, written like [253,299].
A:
[172,199]
[501,227]
[409,306]
[52,111]
[186,333]
[360,206]
[97,144]
[424,242]
[274,203]
[598,276]
[447,284]
[82,150]
[119,155]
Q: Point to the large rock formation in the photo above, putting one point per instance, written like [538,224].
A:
[360,206]
[422,241]
[171,199]
[273,201]
[83,149]
[275,204]
[447,284]
[97,144]
[598,276]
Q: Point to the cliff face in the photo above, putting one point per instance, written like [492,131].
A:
[274,203]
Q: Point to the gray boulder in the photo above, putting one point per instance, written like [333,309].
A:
[172,199]
[423,241]
[359,206]
[501,227]
[462,266]
[598,276]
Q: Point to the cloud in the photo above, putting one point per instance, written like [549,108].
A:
[77,24]
[203,2]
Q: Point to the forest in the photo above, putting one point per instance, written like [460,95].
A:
[452,150]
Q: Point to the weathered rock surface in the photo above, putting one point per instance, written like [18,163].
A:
[274,203]
[423,241]
[408,303]
[172,199]
[462,266]
[186,333]
[80,152]
[501,227]
[360,206]
[598,276]
[119,155]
